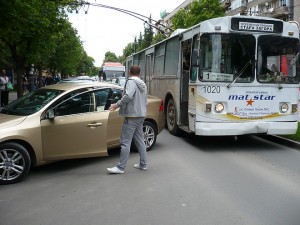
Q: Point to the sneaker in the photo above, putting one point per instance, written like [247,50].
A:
[138,166]
[115,170]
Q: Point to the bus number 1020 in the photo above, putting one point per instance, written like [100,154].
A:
[212,89]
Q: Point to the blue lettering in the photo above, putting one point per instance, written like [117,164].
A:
[255,97]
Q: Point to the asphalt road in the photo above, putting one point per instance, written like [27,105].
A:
[190,181]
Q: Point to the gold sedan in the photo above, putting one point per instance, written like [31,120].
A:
[65,121]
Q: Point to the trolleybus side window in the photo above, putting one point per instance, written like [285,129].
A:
[172,53]
[142,64]
[159,59]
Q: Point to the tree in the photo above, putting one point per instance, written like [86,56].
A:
[128,50]
[148,35]
[68,52]
[198,11]
[157,38]
[5,59]
[139,43]
[110,57]
[86,66]
[27,28]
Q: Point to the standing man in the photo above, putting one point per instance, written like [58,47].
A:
[133,106]
[3,88]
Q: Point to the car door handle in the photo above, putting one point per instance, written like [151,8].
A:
[94,124]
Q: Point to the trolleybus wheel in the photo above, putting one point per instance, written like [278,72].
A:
[172,118]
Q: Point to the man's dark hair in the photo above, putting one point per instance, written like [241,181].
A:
[135,70]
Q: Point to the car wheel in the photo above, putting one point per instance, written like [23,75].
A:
[150,134]
[172,118]
[14,163]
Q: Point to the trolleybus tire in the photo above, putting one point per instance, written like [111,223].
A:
[171,116]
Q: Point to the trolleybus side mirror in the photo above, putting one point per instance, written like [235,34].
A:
[195,58]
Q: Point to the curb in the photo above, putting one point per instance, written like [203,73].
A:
[281,140]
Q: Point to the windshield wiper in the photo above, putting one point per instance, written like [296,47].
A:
[240,73]
[274,75]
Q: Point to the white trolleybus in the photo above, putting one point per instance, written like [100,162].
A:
[110,71]
[227,76]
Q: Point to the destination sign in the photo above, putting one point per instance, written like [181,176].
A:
[256,26]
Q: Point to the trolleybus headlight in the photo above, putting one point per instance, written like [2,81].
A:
[284,107]
[219,107]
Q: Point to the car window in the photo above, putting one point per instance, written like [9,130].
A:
[101,99]
[116,95]
[81,103]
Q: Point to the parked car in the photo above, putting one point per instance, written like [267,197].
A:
[65,121]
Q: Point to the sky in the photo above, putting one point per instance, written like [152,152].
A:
[102,30]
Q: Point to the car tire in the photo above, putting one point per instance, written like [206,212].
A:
[14,163]
[172,118]
[150,134]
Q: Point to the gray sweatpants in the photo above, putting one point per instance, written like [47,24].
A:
[132,130]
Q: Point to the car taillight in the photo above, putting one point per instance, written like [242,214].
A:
[161,107]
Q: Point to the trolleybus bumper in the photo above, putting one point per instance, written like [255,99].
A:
[226,129]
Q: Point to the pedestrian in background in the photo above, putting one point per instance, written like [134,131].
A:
[3,88]
[133,106]
[25,83]
[48,80]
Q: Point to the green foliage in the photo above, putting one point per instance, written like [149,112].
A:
[198,11]
[148,35]
[110,57]
[158,38]
[178,21]
[128,50]
[68,52]
[86,66]
[5,59]
[37,32]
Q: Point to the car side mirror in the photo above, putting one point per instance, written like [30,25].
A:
[50,114]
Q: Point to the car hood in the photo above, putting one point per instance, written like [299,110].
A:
[10,120]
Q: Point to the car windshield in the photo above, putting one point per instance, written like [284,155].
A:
[31,102]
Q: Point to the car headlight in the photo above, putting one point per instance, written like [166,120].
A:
[284,107]
[219,107]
